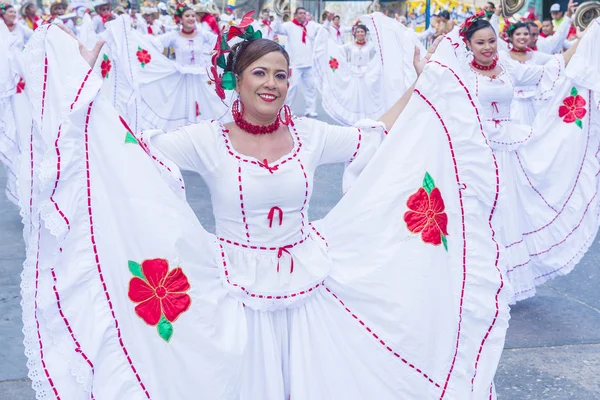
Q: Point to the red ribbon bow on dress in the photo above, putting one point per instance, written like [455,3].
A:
[271,216]
[295,21]
[282,250]
[495,106]
[265,164]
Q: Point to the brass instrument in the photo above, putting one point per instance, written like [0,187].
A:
[586,13]
[283,9]
[373,7]
[511,7]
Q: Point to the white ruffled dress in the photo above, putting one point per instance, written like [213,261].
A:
[359,82]
[396,293]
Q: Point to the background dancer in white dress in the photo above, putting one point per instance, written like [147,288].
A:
[300,35]
[527,98]
[8,14]
[548,170]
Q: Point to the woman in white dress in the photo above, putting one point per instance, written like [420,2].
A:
[154,92]
[359,79]
[8,15]
[547,210]
[527,98]
[394,294]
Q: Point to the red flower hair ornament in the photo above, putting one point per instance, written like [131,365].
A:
[468,22]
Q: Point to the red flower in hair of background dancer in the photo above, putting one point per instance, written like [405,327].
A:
[105,66]
[143,56]
[20,85]
[573,108]
[333,64]
[426,213]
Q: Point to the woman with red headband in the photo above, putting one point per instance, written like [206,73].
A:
[395,293]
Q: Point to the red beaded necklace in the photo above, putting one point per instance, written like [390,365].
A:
[480,67]
[187,32]
[361,43]
[237,110]
[525,50]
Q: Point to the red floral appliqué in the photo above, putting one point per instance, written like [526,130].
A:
[573,109]
[161,294]
[20,85]
[333,64]
[105,66]
[143,56]
[426,214]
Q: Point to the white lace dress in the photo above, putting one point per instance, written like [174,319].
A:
[153,92]
[359,82]
[547,210]
[396,293]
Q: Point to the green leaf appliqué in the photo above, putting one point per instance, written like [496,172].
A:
[130,139]
[136,269]
[579,123]
[445,242]
[165,329]
[428,183]
[574,91]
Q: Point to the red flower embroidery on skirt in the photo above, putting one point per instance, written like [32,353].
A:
[333,64]
[105,66]
[143,56]
[426,214]
[161,294]
[20,85]
[573,109]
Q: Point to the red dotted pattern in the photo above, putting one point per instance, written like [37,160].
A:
[306,195]
[241,189]
[378,40]
[37,322]
[264,248]
[381,341]
[97,258]
[492,211]
[357,146]
[260,295]
[512,143]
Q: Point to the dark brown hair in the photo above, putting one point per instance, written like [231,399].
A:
[243,54]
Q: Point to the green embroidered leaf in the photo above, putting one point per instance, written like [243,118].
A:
[444,241]
[165,329]
[136,269]
[139,48]
[105,57]
[579,123]
[143,65]
[574,91]
[428,183]
[130,139]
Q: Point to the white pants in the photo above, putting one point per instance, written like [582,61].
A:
[304,77]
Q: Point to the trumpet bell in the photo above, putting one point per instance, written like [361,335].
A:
[586,13]
[511,7]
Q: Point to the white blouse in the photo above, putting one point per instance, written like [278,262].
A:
[190,51]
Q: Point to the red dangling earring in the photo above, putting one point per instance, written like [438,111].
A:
[287,115]
[237,110]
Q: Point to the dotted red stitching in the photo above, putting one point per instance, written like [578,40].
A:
[146,148]
[242,203]
[513,143]
[264,248]
[554,82]
[259,295]
[531,184]
[381,341]
[97,258]
[378,40]
[306,186]
[37,322]
[319,234]
[574,185]
[357,146]
[66,321]
[58,157]
[492,212]
[271,168]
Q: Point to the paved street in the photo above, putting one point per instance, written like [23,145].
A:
[552,349]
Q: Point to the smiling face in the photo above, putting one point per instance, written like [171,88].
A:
[263,86]
[188,19]
[360,35]
[521,38]
[264,15]
[10,16]
[484,46]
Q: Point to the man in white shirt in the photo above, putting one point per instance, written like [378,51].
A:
[339,32]
[554,43]
[264,24]
[300,35]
